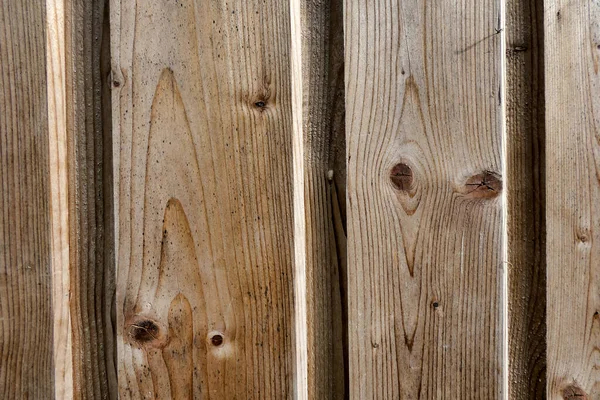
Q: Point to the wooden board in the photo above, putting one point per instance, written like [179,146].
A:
[425,240]
[572,58]
[89,158]
[525,199]
[203,166]
[322,79]
[26,319]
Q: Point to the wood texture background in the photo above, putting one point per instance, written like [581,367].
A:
[424,131]
[26,317]
[234,131]
[525,182]
[572,56]
[203,160]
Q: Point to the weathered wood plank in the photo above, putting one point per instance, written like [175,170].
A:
[525,199]
[26,324]
[89,157]
[424,134]
[322,79]
[203,166]
[572,56]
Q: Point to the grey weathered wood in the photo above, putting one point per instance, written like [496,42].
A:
[26,317]
[425,236]
[571,60]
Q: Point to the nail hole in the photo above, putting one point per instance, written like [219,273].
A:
[260,104]
[401,176]
[435,304]
[216,340]
[116,83]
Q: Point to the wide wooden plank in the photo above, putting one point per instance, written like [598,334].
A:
[525,199]
[572,56]
[203,130]
[26,319]
[425,236]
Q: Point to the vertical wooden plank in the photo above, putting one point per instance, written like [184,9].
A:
[322,79]
[203,165]
[91,255]
[525,199]
[425,237]
[59,195]
[572,56]
[25,235]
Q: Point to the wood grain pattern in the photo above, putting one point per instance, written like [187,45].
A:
[425,237]
[525,199]
[89,157]
[26,324]
[322,80]
[572,56]
[203,164]
[59,195]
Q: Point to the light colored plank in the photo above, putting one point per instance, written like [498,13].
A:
[425,236]
[203,166]
[26,293]
[59,195]
[525,199]
[572,56]
[322,79]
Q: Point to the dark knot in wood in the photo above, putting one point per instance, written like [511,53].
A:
[484,185]
[216,340]
[401,176]
[144,331]
[574,392]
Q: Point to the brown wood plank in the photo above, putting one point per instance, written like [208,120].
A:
[572,56]
[26,318]
[203,166]
[425,237]
[525,199]
[322,80]
[89,155]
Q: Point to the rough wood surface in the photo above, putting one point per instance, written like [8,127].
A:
[91,260]
[572,58]
[324,156]
[526,203]
[26,318]
[424,133]
[203,162]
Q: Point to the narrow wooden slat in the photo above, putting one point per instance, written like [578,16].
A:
[59,194]
[322,79]
[91,254]
[526,203]
[425,237]
[26,324]
[203,128]
[572,57]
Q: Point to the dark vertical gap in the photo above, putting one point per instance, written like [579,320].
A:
[109,288]
[337,164]
[526,199]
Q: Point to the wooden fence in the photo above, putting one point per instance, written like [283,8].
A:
[309,199]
